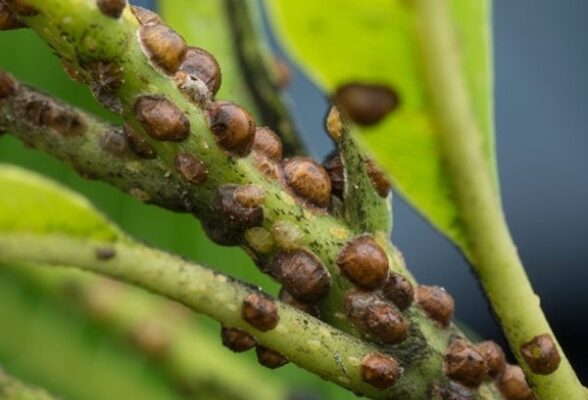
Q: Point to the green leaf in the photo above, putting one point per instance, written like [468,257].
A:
[378,42]
[31,203]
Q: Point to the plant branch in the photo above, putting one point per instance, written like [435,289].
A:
[163,331]
[94,44]
[421,355]
[13,389]
[491,249]
[304,340]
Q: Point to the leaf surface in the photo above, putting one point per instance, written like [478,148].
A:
[377,42]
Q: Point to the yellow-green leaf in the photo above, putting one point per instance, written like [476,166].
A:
[31,203]
[378,42]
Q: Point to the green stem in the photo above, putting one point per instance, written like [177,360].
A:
[304,340]
[421,354]
[491,249]
[13,389]
[179,345]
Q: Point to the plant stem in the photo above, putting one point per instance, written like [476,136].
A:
[491,250]
[13,389]
[304,340]
[162,331]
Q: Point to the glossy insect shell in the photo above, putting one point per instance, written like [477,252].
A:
[138,144]
[366,104]
[464,364]
[379,370]
[237,339]
[266,142]
[233,127]
[201,64]
[399,290]
[364,262]
[161,118]
[302,274]
[232,213]
[541,354]
[165,48]
[191,168]
[111,8]
[494,356]
[512,384]
[270,358]
[437,303]
[309,180]
[260,312]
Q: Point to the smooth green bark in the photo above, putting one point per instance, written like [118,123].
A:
[489,247]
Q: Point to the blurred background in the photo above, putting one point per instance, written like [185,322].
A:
[541,56]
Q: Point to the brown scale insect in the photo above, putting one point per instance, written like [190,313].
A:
[260,312]
[364,262]
[8,86]
[437,303]
[302,274]
[541,354]
[66,122]
[366,104]
[309,180]
[22,8]
[191,168]
[378,178]
[270,358]
[145,16]
[250,196]
[138,144]
[336,170]
[267,143]
[202,65]
[464,364]
[113,142]
[386,323]
[105,253]
[111,8]
[107,78]
[161,118]
[308,308]
[39,112]
[513,385]
[334,166]
[164,46]
[379,370]
[233,213]
[8,20]
[398,290]
[494,356]
[233,127]
[375,317]
[221,234]
[237,339]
